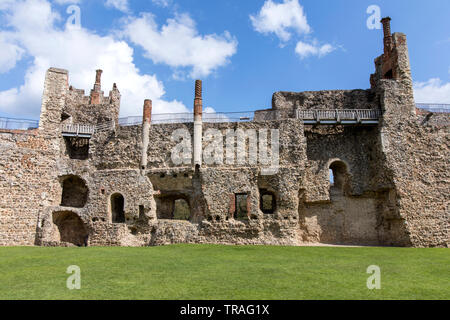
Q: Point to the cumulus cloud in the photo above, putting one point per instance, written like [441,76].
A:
[33,25]
[281,19]
[305,50]
[121,5]
[432,91]
[62,2]
[9,54]
[161,3]
[285,20]
[179,45]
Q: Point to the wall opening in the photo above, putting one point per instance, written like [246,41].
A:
[71,228]
[181,210]
[77,148]
[389,75]
[117,208]
[338,175]
[268,203]
[241,206]
[75,192]
[173,206]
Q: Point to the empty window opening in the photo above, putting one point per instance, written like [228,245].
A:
[267,202]
[77,148]
[71,228]
[141,212]
[117,208]
[65,116]
[389,75]
[181,210]
[75,192]
[173,207]
[338,175]
[241,212]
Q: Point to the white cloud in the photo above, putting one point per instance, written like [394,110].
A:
[305,50]
[161,3]
[62,2]
[281,19]
[179,45]
[81,52]
[121,5]
[9,54]
[432,91]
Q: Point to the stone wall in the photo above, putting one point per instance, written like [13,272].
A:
[28,183]
[391,180]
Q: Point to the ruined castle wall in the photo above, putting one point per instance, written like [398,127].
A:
[352,145]
[28,183]
[331,99]
[417,159]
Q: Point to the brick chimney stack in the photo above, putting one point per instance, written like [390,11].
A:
[387,34]
[96,93]
[147,111]
[198,123]
[198,101]
[146,123]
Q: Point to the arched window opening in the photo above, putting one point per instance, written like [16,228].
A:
[267,202]
[75,192]
[338,175]
[117,208]
[71,228]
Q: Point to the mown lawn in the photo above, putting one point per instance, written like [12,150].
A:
[224,272]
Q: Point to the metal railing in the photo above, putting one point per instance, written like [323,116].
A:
[261,115]
[168,118]
[18,124]
[78,130]
[350,116]
[434,107]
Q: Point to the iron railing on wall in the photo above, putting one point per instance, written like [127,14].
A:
[262,115]
[168,118]
[18,124]
[434,107]
[369,116]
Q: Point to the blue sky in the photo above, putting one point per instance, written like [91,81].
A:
[242,50]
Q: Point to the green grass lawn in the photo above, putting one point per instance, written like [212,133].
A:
[224,272]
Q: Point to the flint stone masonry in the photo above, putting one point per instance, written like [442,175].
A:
[391,183]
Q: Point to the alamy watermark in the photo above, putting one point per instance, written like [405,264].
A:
[374,20]
[374,281]
[74,280]
[74,20]
[231,148]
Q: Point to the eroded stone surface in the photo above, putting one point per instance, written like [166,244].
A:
[391,181]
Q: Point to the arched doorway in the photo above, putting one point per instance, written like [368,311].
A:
[117,208]
[75,192]
[71,228]
[338,175]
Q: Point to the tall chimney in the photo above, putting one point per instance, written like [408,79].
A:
[98,80]
[146,123]
[387,34]
[96,93]
[198,123]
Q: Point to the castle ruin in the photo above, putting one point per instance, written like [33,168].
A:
[83,178]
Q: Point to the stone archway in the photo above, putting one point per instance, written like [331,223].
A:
[74,193]
[117,208]
[71,228]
